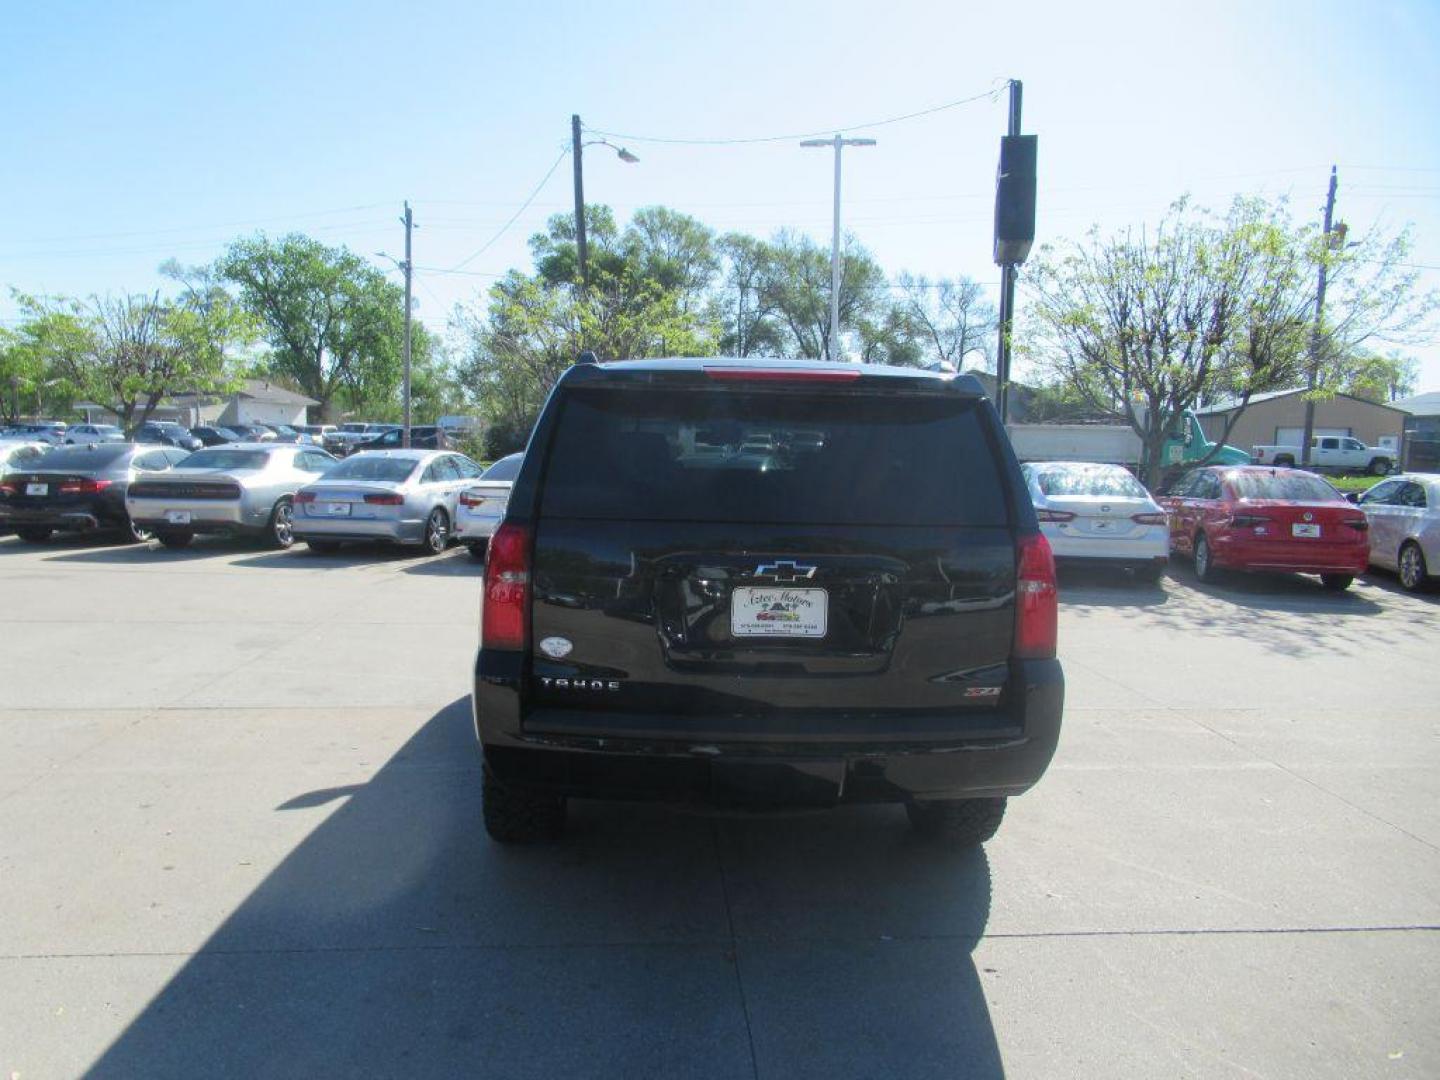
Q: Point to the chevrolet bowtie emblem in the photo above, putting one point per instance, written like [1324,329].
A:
[785,570]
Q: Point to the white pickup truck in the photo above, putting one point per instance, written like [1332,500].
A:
[1329,453]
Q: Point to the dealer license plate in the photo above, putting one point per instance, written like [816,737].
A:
[337,509]
[37,489]
[778,612]
[177,517]
[1299,529]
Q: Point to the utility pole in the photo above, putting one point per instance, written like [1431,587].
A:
[1316,334]
[1007,289]
[575,151]
[409,267]
[833,343]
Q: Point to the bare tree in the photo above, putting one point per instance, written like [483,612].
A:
[951,316]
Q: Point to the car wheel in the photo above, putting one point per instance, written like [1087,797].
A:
[1412,568]
[1286,462]
[1204,560]
[280,532]
[515,815]
[33,534]
[175,538]
[1337,582]
[957,822]
[1380,466]
[1150,573]
[437,532]
[323,547]
[478,549]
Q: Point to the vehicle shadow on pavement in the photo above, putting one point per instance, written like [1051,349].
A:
[152,551]
[1107,587]
[397,940]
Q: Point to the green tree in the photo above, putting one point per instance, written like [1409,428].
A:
[1143,324]
[23,375]
[1382,378]
[797,288]
[334,322]
[128,352]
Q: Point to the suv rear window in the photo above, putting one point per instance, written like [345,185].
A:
[725,456]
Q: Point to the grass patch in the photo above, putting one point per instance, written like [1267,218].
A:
[1354,483]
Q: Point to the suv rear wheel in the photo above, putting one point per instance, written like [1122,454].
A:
[960,822]
[175,538]
[515,815]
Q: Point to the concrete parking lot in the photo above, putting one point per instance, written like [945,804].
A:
[240,836]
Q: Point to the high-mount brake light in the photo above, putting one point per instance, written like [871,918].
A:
[730,374]
[505,614]
[1036,599]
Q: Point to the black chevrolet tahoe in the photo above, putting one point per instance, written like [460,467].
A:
[766,584]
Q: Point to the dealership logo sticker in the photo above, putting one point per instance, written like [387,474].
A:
[556,647]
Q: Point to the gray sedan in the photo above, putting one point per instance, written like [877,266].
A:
[399,496]
[245,489]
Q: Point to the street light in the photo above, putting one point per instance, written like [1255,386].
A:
[577,151]
[838,143]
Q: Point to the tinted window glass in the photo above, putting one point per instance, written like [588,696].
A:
[155,461]
[1282,484]
[1382,494]
[778,457]
[507,468]
[467,469]
[80,458]
[1412,495]
[372,467]
[175,455]
[1091,480]
[220,457]
[1329,444]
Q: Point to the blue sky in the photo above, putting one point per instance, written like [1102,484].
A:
[143,131]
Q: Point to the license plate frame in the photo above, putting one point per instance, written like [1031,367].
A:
[778,611]
[335,509]
[1306,530]
[177,517]
[37,491]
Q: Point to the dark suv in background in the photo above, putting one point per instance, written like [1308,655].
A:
[766,584]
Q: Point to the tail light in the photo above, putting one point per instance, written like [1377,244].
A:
[471,498]
[840,374]
[1149,519]
[1054,515]
[85,486]
[505,617]
[304,497]
[1037,600]
[389,498]
[1248,521]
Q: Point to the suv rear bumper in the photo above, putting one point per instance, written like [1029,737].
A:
[861,763]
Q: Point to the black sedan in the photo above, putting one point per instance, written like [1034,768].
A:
[166,433]
[80,489]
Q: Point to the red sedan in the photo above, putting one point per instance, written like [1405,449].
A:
[1282,520]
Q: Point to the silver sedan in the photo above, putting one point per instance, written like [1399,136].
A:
[399,496]
[245,489]
[1404,517]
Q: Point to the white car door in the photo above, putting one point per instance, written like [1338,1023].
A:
[1382,515]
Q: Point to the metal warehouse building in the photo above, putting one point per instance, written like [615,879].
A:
[1279,418]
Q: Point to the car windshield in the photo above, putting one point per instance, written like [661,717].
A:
[507,468]
[1282,484]
[1090,480]
[373,467]
[220,457]
[746,456]
[82,458]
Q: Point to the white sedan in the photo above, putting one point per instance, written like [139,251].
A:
[482,504]
[1101,514]
[1404,517]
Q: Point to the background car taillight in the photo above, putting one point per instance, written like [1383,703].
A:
[1248,521]
[471,498]
[1149,519]
[386,499]
[505,616]
[305,496]
[86,486]
[1054,515]
[1036,599]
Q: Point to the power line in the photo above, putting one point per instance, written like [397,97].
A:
[523,207]
[992,94]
